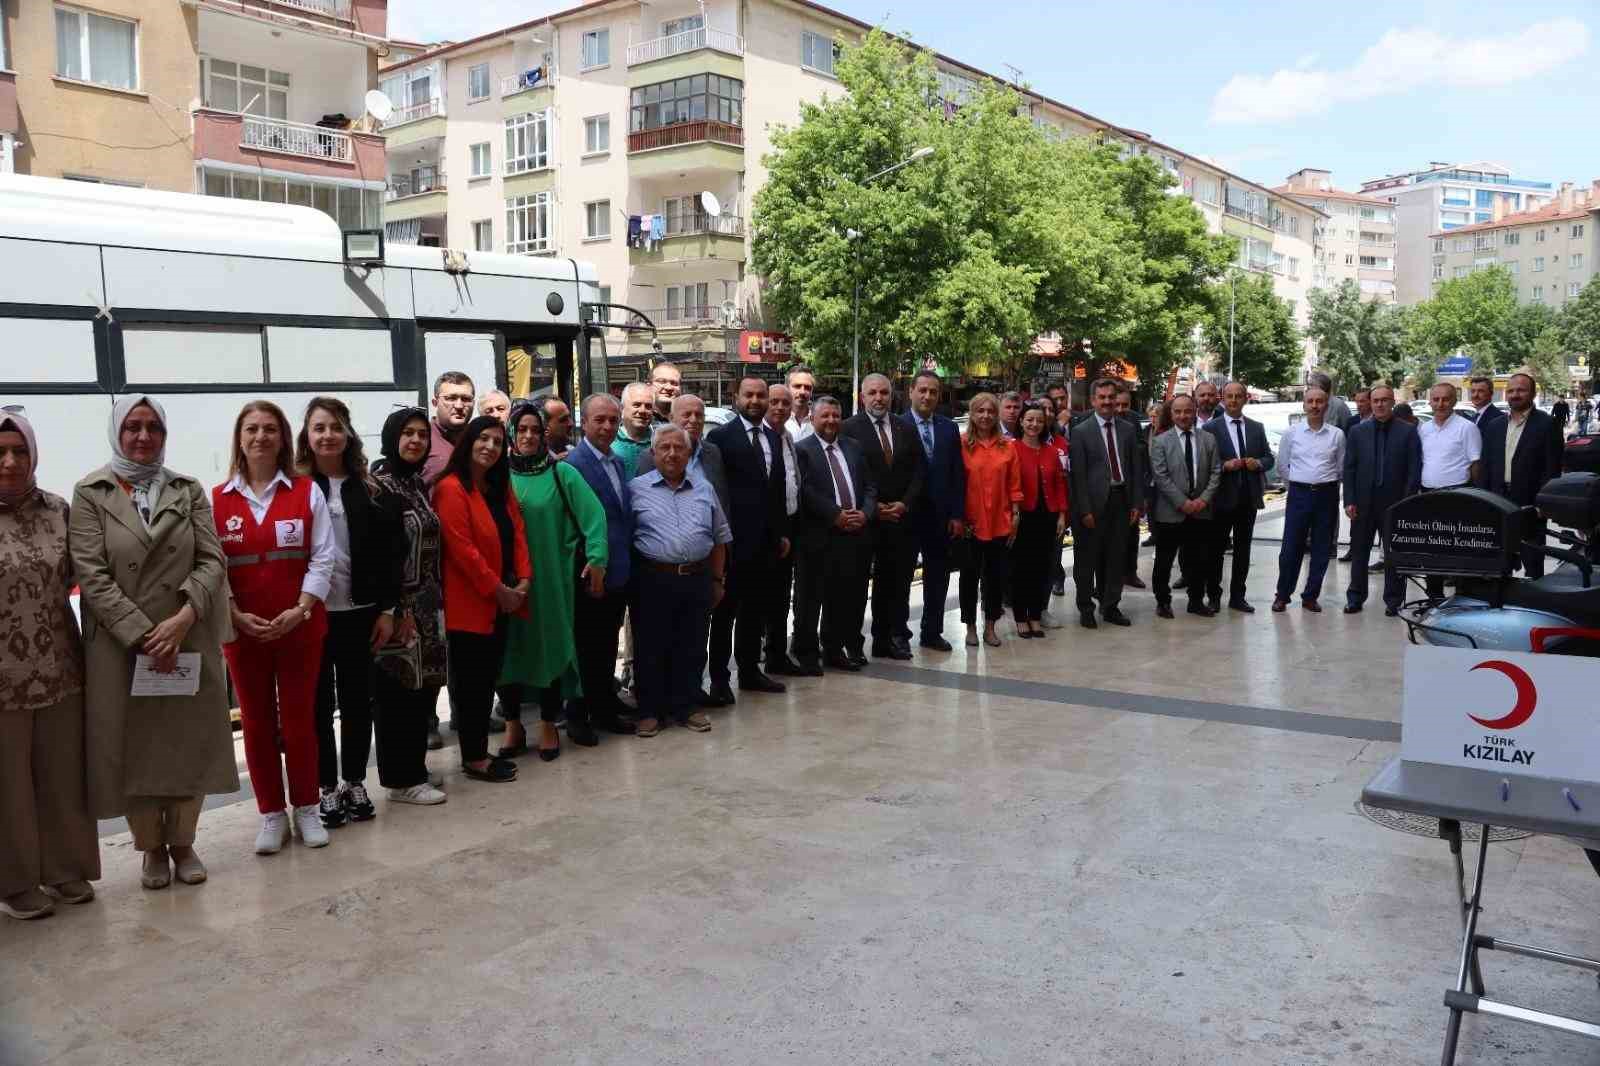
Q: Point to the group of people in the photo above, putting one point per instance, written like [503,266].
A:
[504,552]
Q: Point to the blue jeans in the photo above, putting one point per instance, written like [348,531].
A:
[1314,508]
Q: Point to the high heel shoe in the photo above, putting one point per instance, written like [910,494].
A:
[550,754]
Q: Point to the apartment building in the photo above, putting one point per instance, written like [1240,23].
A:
[631,135]
[1358,237]
[249,99]
[1550,251]
[1443,197]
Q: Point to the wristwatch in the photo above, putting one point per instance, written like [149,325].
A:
[305,614]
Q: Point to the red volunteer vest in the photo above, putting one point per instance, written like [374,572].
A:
[266,562]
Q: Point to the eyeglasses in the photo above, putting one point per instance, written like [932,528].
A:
[13,409]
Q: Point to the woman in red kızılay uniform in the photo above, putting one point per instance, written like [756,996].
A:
[275,531]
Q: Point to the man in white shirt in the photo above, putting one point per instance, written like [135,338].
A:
[802,384]
[1451,449]
[780,405]
[1311,458]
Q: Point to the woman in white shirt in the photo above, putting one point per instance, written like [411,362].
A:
[363,592]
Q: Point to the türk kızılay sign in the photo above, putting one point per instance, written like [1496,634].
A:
[1510,712]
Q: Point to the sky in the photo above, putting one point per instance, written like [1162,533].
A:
[1261,88]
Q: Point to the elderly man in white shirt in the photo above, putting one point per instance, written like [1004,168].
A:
[1311,458]
[1451,449]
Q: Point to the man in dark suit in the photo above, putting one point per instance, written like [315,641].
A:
[1483,412]
[753,458]
[894,463]
[837,499]
[1382,465]
[1107,479]
[1147,492]
[780,408]
[596,621]
[938,513]
[1246,457]
[1522,451]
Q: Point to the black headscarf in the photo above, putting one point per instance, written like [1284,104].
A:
[392,463]
[539,461]
[496,484]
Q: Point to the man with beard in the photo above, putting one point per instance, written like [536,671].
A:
[667,381]
[1206,402]
[1521,451]
[452,409]
[557,426]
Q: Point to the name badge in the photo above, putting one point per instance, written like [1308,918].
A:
[292,533]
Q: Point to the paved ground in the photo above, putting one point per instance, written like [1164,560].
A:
[1114,847]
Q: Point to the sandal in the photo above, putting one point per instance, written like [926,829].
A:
[496,771]
[511,751]
[993,639]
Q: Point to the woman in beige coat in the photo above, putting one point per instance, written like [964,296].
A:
[153,583]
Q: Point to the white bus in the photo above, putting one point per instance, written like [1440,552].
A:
[209,303]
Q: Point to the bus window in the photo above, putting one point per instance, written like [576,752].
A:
[474,354]
[296,353]
[169,355]
[47,350]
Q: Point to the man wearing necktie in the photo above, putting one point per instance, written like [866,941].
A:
[1382,464]
[895,464]
[1245,457]
[780,406]
[1107,475]
[1183,464]
[938,512]
[838,502]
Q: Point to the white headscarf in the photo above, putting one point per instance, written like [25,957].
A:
[147,479]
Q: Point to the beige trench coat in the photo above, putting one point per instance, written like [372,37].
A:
[131,579]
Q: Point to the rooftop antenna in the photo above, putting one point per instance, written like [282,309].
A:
[1016,74]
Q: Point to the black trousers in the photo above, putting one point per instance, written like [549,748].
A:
[403,721]
[830,595]
[671,617]
[987,562]
[1186,542]
[598,625]
[1240,526]
[346,668]
[740,620]
[1533,561]
[549,697]
[932,541]
[1363,528]
[474,669]
[894,558]
[1100,555]
[778,601]
[1033,558]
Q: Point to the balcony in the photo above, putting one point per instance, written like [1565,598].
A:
[1244,214]
[295,138]
[681,43]
[419,122]
[685,146]
[695,238]
[526,81]
[420,194]
[276,144]
[333,9]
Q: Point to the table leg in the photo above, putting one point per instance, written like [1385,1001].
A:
[1469,960]
[1450,830]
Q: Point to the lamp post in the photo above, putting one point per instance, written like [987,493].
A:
[855,235]
[1233,294]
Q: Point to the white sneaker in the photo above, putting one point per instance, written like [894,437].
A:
[422,795]
[274,832]
[1048,620]
[308,823]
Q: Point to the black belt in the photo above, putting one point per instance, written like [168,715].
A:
[1315,485]
[680,569]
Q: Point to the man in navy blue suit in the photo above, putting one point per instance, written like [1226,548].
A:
[1246,457]
[1482,412]
[597,621]
[1382,465]
[939,510]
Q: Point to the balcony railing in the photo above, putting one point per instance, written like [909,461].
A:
[686,133]
[416,112]
[537,78]
[403,185]
[334,9]
[688,41]
[682,316]
[1253,217]
[295,138]
[699,222]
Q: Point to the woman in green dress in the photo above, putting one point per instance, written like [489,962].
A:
[566,529]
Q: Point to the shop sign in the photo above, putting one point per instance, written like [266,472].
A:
[760,346]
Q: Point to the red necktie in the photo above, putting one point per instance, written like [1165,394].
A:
[1111,450]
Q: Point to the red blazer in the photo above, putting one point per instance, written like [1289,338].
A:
[1044,468]
[472,562]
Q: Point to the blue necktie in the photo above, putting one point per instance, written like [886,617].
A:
[927,437]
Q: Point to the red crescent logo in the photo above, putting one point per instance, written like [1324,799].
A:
[1527,696]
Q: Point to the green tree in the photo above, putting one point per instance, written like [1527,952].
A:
[1358,343]
[1547,362]
[1266,342]
[1580,326]
[1477,314]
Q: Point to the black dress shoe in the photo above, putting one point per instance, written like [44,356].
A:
[1215,603]
[1133,582]
[1087,621]
[1181,583]
[890,651]
[935,643]
[840,661]
[1352,608]
[808,668]
[1241,606]
[719,696]
[1163,611]
[759,682]
[582,734]
[1345,558]
[858,658]
[1202,610]
[1115,616]
[902,648]
[782,665]
[1390,612]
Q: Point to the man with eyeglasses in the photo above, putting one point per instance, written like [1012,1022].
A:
[453,397]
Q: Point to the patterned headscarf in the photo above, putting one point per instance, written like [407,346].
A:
[18,424]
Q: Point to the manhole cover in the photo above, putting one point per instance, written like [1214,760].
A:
[1420,825]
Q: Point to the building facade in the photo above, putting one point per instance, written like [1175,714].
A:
[1550,251]
[250,99]
[1358,236]
[632,135]
[1443,197]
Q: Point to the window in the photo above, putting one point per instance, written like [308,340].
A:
[596,49]
[1572,288]
[97,48]
[597,135]
[1438,271]
[354,208]
[1577,230]
[1484,198]
[240,87]
[528,225]
[818,53]
[597,220]
[1294,267]
[528,142]
[1483,241]
[686,24]
[1460,244]
[1538,263]
[1538,292]
[1349,259]
[1438,245]
[478,82]
[1513,239]
[1515,266]
[689,303]
[1575,260]
[703,96]
[1206,190]
[1538,236]
[482,160]
[1458,197]
[483,235]
[1461,272]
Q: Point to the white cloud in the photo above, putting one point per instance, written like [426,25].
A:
[431,20]
[1402,60]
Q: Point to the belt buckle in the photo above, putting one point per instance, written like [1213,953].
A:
[685,569]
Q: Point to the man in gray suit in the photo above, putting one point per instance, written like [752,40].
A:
[1183,463]
[705,458]
[1107,479]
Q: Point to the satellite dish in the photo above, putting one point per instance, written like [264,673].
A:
[378,105]
[710,204]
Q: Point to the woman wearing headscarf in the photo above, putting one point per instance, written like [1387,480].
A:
[566,532]
[49,849]
[154,586]
[412,665]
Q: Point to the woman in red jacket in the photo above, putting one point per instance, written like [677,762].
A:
[486,577]
[1042,459]
[275,532]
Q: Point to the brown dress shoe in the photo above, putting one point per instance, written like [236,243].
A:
[1279,606]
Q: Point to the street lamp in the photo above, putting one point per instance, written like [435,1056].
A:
[1233,293]
[855,235]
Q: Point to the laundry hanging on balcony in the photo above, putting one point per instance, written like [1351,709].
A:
[635,231]
[407,231]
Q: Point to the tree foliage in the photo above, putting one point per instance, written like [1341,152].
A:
[1547,362]
[1476,314]
[1266,342]
[1358,343]
[1580,322]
